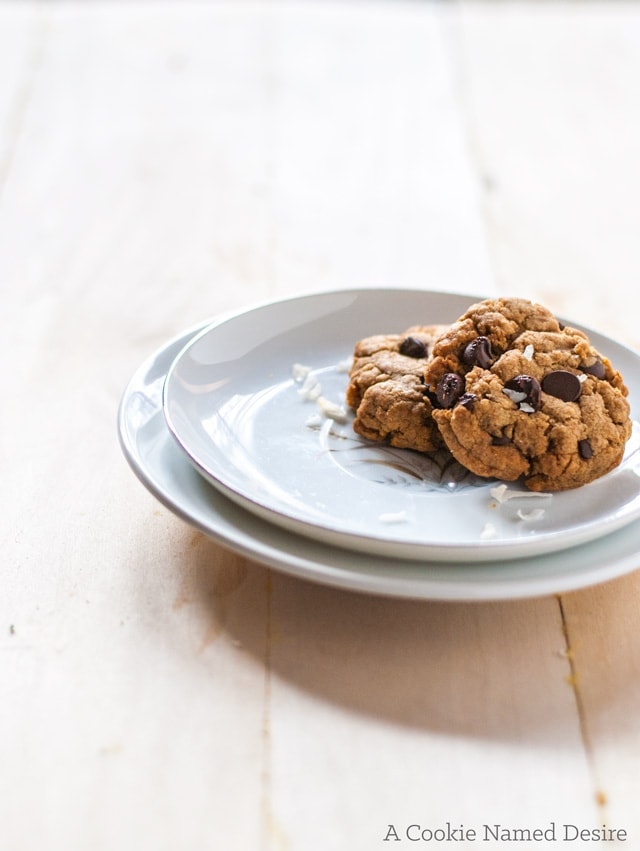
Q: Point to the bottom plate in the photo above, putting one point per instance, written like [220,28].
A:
[163,469]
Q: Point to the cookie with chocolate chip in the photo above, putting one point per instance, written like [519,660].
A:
[386,389]
[517,395]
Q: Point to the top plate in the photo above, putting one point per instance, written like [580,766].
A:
[232,402]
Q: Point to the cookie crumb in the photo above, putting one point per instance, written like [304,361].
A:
[601,798]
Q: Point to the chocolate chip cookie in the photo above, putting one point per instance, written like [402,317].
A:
[387,391]
[515,394]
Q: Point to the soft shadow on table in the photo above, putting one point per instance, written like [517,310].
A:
[485,669]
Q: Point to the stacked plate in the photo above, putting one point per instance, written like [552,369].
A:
[240,427]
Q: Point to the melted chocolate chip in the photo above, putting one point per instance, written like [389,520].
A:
[528,385]
[467,400]
[478,352]
[500,440]
[596,369]
[585,450]
[563,385]
[449,389]
[413,347]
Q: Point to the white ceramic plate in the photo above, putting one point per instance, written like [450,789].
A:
[235,408]
[163,469]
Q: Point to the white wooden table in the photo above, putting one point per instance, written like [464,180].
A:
[163,162]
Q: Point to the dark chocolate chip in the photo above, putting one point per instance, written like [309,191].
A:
[528,385]
[413,347]
[449,389]
[563,385]
[596,369]
[467,400]
[478,352]
[500,440]
[585,450]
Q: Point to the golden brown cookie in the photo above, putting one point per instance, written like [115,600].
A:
[387,392]
[516,394]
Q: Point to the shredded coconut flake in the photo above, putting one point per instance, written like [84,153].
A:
[314,393]
[528,516]
[528,352]
[393,517]
[314,422]
[582,377]
[344,365]
[331,410]
[527,408]
[488,532]
[300,372]
[501,493]
[311,388]
[515,395]
[326,430]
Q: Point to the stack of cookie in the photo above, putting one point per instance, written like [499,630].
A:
[508,389]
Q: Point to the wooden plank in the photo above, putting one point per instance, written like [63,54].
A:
[553,97]
[371,179]
[23,37]
[605,654]
[389,712]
